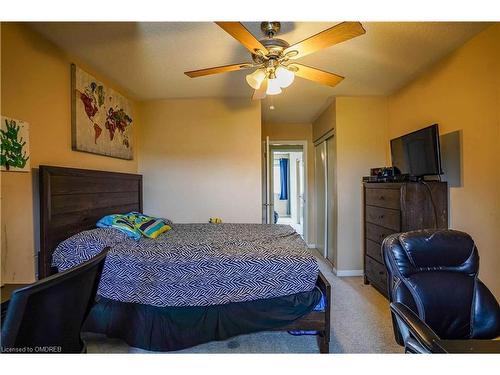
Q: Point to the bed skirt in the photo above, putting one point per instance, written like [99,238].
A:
[174,328]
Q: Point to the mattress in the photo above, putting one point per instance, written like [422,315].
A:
[197,264]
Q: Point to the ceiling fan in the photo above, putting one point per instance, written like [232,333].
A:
[274,59]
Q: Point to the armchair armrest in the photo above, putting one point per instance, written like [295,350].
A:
[419,330]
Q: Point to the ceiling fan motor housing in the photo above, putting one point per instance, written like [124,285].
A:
[270,29]
[274,46]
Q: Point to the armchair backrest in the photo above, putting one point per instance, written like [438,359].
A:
[435,274]
[49,314]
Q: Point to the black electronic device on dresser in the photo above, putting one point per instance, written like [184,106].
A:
[395,207]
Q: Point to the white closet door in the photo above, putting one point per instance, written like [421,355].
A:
[320,166]
[331,233]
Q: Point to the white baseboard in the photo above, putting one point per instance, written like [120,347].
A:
[311,245]
[347,273]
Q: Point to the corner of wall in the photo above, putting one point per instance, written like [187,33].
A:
[361,134]
[326,121]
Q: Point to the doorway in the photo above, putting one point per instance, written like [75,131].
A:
[285,183]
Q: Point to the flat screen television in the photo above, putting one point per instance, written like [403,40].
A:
[417,154]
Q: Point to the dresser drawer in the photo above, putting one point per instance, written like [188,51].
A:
[384,217]
[388,198]
[377,233]
[373,249]
[376,272]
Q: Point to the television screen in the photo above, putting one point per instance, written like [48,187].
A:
[417,153]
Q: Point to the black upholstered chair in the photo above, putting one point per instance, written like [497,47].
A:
[434,290]
[47,316]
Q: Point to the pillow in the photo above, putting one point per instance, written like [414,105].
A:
[123,224]
[152,227]
[133,224]
[85,245]
[143,218]
[120,222]
[107,221]
[149,226]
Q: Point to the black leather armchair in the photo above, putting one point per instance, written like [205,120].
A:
[435,292]
[47,316]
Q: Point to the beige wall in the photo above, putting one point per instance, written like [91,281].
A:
[294,132]
[462,93]
[360,126]
[325,122]
[35,80]
[202,158]
[361,138]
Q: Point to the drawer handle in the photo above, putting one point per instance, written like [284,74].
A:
[382,198]
[380,216]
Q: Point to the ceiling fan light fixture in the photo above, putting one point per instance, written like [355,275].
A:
[256,78]
[273,87]
[284,76]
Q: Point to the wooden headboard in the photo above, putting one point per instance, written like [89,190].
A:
[73,200]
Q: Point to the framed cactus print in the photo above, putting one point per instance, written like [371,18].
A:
[15,145]
[101,120]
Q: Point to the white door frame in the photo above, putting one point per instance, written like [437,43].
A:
[302,143]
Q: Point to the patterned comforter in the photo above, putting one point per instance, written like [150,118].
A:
[196,264]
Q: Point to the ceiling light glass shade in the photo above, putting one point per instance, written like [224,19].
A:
[284,76]
[256,78]
[273,87]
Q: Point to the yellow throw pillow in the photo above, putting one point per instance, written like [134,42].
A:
[153,228]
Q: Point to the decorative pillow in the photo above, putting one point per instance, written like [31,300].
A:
[126,226]
[120,222]
[133,224]
[143,217]
[107,220]
[152,227]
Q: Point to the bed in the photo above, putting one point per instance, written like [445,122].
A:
[134,304]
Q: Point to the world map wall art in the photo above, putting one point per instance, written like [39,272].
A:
[101,118]
[14,145]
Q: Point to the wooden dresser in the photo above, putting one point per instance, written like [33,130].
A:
[398,207]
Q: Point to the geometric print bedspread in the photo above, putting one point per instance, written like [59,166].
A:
[197,264]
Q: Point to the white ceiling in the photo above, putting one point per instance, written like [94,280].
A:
[148,59]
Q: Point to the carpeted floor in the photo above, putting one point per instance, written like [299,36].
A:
[361,323]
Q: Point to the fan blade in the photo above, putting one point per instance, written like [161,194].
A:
[217,69]
[317,75]
[242,35]
[334,35]
[260,93]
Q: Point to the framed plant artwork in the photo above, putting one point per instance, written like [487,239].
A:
[101,120]
[15,145]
